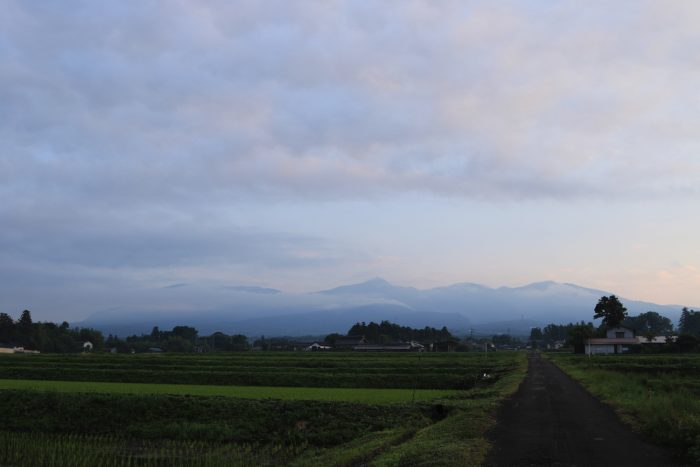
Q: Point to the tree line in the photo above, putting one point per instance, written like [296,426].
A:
[48,337]
[45,337]
[613,313]
[387,332]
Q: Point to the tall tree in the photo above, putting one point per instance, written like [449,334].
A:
[7,328]
[25,328]
[611,310]
[689,322]
[535,334]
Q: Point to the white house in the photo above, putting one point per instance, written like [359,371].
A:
[617,340]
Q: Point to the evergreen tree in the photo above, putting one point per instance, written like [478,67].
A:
[7,329]
[689,322]
[25,329]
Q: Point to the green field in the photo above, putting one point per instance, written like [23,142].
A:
[252,409]
[348,370]
[365,395]
[658,395]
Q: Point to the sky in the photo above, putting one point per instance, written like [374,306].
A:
[304,145]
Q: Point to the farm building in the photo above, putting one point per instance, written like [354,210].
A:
[655,340]
[617,340]
[7,349]
[349,342]
[316,347]
[449,345]
[397,347]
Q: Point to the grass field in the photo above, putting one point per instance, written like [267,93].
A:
[88,410]
[659,395]
[364,395]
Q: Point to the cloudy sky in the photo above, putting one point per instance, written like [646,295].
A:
[303,145]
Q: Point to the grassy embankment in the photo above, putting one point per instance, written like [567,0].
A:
[658,395]
[200,428]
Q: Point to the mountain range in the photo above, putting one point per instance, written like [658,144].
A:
[463,308]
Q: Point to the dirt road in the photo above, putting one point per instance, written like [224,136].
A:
[552,420]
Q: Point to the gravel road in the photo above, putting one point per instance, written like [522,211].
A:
[552,420]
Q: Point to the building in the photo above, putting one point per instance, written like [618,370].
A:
[349,342]
[396,347]
[315,347]
[617,340]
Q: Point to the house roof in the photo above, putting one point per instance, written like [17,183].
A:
[384,347]
[612,340]
[350,340]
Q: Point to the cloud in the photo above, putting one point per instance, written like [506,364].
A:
[164,102]
[133,135]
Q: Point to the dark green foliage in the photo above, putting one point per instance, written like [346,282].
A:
[573,333]
[611,310]
[536,334]
[689,322]
[578,334]
[46,337]
[257,421]
[52,338]
[505,341]
[7,329]
[433,370]
[649,324]
[387,331]
[24,330]
[331,338]
[250,431]
[685,343]
[80,450]
[181,339]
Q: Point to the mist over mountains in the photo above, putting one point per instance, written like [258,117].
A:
[464,307]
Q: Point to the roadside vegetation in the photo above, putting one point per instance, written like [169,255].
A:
[302,423]
[658,395]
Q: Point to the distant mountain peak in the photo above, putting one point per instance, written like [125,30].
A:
[377,281]
[471,286]
[253,289]
[376,285]
[541,285]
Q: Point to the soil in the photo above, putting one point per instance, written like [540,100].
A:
[552,420]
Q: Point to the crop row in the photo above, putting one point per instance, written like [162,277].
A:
[387,372]
[688,365]
[427,380]
[220,419]
[114,451]
[270,359]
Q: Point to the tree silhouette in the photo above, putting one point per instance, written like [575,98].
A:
[611,310]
